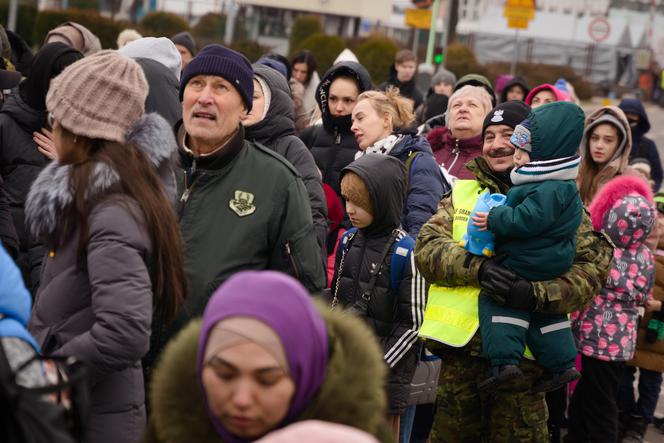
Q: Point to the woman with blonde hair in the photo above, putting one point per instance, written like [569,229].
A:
[382,125]
[604,150]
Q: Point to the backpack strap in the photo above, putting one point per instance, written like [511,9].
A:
[412,156]
[346,240]
[400,259]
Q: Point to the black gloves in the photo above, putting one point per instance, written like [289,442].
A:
[505,287]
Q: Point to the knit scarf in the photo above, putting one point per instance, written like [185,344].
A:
[383,146]
[566,168]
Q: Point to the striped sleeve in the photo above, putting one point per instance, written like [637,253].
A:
[412,300]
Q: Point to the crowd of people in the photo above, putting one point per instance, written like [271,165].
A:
[197,248]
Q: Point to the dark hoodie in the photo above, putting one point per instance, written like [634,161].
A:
[516,81]
[642,146]
[164,93]
[407,89]
[333,144]
[394,314]
[277,132]
[50,61]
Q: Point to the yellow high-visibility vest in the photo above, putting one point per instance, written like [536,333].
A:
[452,316]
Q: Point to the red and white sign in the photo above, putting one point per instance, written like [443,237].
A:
[599,29]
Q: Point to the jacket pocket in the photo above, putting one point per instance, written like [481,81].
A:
[305,259]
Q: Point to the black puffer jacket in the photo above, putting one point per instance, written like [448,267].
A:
[395,314]
[333,144]
[277,132]
[20,163]
[8,236]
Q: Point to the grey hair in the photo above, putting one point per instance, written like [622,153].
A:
[478,91]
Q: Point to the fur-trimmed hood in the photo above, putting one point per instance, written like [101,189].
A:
[51,192]
[624,198]
[352,393]
[615,166]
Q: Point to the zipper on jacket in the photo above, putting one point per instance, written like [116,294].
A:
[455,151]
[188,187]
[337,137]
[292,260]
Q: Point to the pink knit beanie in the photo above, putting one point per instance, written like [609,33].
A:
[100,96]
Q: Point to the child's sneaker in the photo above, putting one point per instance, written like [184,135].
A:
[552,382]
[500,375]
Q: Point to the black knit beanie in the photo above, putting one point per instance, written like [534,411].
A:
[509,113]
[222,62]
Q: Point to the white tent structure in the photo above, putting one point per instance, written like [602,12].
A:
[557,39]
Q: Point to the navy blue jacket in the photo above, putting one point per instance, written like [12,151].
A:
[426,184]
[642,146]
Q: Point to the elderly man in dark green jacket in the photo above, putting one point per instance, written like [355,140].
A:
[240,205]
[513,413]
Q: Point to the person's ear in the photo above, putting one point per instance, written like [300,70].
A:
[387,120]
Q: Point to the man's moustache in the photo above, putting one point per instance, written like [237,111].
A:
[501,152]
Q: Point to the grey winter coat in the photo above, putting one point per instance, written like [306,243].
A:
[277,132]
[101,313]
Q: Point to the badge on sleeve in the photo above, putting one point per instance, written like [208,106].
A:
[243,203]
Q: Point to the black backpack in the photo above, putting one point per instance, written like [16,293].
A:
[27,417]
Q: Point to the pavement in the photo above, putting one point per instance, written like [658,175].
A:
[656,117]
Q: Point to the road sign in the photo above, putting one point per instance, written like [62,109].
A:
[518,13]
[599,29]
[418,18]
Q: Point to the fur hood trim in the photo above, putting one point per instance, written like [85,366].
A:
[352,393]
[612,192]
[51,192]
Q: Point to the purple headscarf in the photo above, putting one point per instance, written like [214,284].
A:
[283,304]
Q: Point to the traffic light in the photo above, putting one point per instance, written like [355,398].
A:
[438,55]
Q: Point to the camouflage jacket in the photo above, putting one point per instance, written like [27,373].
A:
[444,262]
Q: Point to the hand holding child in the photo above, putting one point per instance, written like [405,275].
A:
[480,219]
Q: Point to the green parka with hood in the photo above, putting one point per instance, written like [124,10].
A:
[444,262]
[537,225]
[352,393]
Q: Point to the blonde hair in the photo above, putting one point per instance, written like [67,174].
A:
[392,103]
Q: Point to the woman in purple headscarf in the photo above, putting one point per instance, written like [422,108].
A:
[265,356]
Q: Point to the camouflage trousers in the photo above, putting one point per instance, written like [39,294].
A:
[466,415]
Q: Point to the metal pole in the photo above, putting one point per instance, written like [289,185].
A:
[13,10]
[448,22]
[416,40]
[432,31]
[516,53]
[230,22]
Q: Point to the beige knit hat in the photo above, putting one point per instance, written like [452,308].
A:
[100,96]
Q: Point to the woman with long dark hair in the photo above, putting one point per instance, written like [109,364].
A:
[303,70]
[115,252]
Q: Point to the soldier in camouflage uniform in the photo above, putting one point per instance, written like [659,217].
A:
[512,413]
